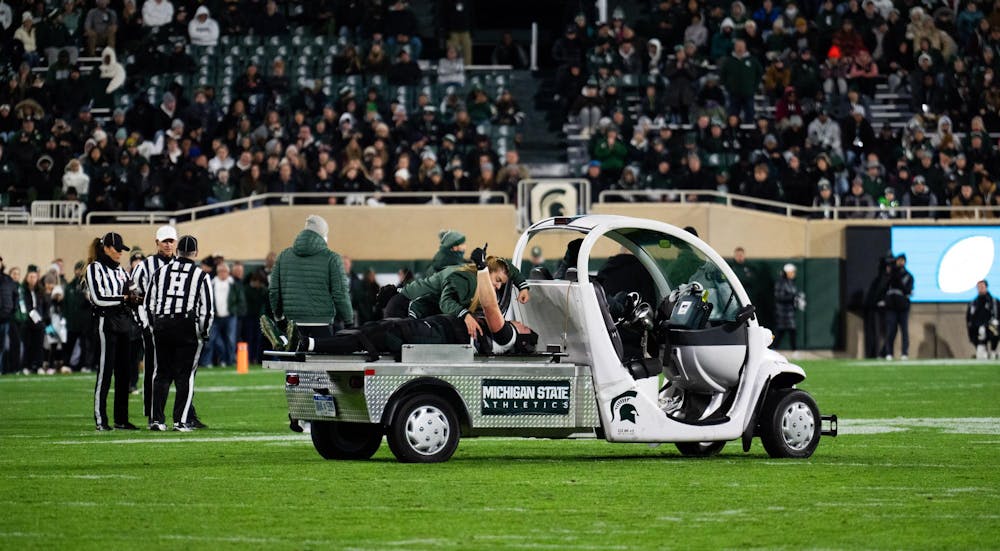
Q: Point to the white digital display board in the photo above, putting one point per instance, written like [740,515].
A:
[946,262]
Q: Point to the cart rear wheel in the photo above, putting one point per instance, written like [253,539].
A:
[790,424]
[424,430]
[338,440]
[700,449]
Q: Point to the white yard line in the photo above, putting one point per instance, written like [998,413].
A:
[948,425]
[180,439]
[199,389]
[949,361]
[847,426]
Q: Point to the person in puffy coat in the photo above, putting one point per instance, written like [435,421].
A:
[203,30]
[787,299]
[308,284]
[111,70]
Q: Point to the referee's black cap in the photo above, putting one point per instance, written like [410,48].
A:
[187,244]
[115,241]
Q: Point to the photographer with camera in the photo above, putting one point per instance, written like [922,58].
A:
[897,308]
[981,321]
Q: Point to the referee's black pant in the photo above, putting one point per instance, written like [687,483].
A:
[178,348]
[114,356]
[149,375]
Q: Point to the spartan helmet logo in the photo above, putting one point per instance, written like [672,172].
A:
[622,405]
[627,413]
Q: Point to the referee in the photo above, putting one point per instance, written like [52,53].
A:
[180,305]
[107,289]
[142,277]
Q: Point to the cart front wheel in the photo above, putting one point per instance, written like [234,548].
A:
[424,430]
[790,424]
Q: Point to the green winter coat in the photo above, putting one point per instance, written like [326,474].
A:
[308,285]
[612,157]
[76,307]
[444,258]
[741,76]
[449,291]
[237,301]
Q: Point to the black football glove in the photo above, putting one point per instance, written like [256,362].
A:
[479,257]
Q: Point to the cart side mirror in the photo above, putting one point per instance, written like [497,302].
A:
[746,313]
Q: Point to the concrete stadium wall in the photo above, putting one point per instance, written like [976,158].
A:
[410,232]
[936,331]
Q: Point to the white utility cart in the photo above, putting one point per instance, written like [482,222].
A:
[648,336]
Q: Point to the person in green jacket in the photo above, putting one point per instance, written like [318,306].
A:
[450,253]
[451,291]
[741,74]
[612,153]
[308,284]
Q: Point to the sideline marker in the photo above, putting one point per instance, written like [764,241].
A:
[242,358]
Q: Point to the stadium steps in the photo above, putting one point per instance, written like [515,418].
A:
[540,147]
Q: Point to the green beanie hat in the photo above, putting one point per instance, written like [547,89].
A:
[451,238]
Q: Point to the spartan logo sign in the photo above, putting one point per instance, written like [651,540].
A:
[622,404]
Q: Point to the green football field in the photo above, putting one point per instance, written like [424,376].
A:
[917,466]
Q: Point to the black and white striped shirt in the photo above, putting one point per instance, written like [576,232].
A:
[181,288]
[106,284]
[142,277]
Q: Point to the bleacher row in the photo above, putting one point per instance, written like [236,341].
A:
[885,107]
[308,58]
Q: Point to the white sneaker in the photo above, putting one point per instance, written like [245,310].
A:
[904,357]
[40,371]
[26,371]
[158,427]
[65,370]
[181,427]
[888,357]
[50,371]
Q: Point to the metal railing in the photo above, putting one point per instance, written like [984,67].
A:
[14,217]
[54,212]
[372,199]
[693,196]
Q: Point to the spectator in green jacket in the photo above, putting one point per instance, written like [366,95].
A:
[740,74]
[612,154]
[308,285]
[451,251]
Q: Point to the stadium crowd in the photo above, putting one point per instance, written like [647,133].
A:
[695,66]
[811,142]
[267,131]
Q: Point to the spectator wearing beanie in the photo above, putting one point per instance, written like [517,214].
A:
[307,284]
[450,252]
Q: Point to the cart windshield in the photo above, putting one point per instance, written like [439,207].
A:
[680,262]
